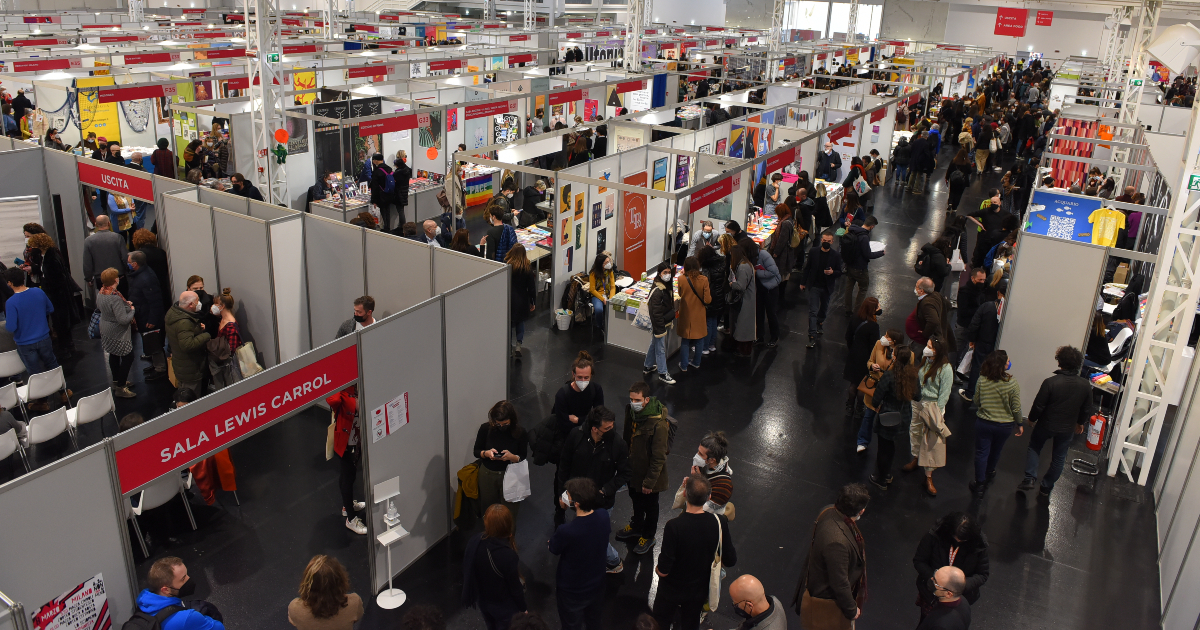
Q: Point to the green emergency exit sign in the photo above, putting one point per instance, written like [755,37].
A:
[1136,82]
[273,57]
[1194,182]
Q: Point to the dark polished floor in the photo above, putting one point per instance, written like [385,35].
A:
[1086,558]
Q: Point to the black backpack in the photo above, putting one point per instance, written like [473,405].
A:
[924,262]
[145,621]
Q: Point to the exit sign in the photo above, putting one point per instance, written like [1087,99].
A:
[1136,82]
[1194,182]
[273,57]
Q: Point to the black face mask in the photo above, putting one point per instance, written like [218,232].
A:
[878,312]
[737,609]
[825,246]
[360,318]
[187,590]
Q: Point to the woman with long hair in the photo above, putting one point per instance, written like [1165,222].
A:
[883,354]
[55,280]
[998,398]
[897,388]
[661,309]
[780,243]
[602,284]
[325,601]
[223,363]
[716,270]
[499,442]
[862,334]
[491,577]
[523,293]
[694,298]
[116,313]
[956,539]
[928,431]
[742,303]
[462,243]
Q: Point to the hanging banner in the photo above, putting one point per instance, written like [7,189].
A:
[714,192]
[197,437]
[634,241]
[518,38]
[471,112]
[133,60]
[559,97]
[296,50]
[1044,18]
[778,161]
[387,125]
[304,81]
[116,179]
[525,58]
[630,86]
[42,42]
[839,132]
[94,115]
[226,53]
[84,607]
[879,114]
[446,64]
[46,64]
[1011,21]
[117,94]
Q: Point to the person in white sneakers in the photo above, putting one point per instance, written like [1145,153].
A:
[347,443]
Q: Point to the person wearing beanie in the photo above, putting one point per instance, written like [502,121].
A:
[163,160]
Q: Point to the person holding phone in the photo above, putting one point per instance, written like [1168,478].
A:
[499,442]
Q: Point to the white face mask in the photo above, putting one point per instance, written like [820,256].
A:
[215,310]
[698,461]
[666,276]
[608,265]
[582,385]
[927,352]
[884,341]
[566,498]
[917,292]
[637,406]
[437,231]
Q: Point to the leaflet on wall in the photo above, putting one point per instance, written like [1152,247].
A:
[84,607]
[389,417]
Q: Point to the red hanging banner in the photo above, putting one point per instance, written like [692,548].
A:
[119,180]
[131,60]
[777,162]
[634,236]
[45,64]
[518,38]
[839,132]
[878,115]
[630,86]
[472,112]
[445,64]
[525,58]
[119,38]
[559,97]
[387,125]
[116,94]
[698,75]
[53,41]
[100,26]
[296,50]
[373,70]
[1011,21]
[225,53]
[574,35]
[1044,18]
[714,192]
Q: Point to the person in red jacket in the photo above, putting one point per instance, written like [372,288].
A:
[347,443]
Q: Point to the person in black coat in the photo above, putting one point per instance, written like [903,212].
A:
[147,300]
[714,267]
[920,163]
[937,261]
[600,145]
[319,191]
[531,196]
[523,292]
[402,175]
[380,197]
[491,578]
[829,164]
[960,533]
[1062,406]
[982,334]
[245,188]
[593,450]
[823,267]
[861,334]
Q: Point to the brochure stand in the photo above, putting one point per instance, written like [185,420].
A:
[391,597]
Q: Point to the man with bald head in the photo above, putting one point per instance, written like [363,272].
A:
[431,234]
[759,610]
[952,611]
[188,339]
[929,318]
[102,250]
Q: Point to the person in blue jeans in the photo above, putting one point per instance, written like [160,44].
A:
[880,361]
[582,547]
[661,305]
[819,279]
[27,315]
[714,267]
[1062,407]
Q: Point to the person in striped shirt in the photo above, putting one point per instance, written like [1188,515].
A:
[999,417]
[712,461]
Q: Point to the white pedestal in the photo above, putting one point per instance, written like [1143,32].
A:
[391,597]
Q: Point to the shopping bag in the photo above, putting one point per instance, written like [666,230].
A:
[956,261]
[714,572]
[861,187]
[964,366]
[516,481]
[329,435]
[248,360]
[94,325]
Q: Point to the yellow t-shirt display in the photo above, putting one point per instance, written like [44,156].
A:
[1105,223]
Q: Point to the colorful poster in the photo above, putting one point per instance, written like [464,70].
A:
[297,132]
[478,190]
[721,147]
[682,171]
[452,119]
[660,174]
[602,240]
[202,89]
[1062,216]
[590,108]
[566,235]
[96,116]
[564,198]
[606,176]
[596,207]
[507,128]
[737,137]
[304,81]
[389,417]
[84,607]
[579,207]
[610,205]
[429,127]
[578,235]
[633,242]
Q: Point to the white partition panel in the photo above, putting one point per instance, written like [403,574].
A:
[42,560]
[399,273]
[476,353]
[402,357]
[24,174]
[453,269]
[191,251]
[268,212]
[244,266]
[1048,271]
[334,274]
[224,200]
[291,301]
[65,185]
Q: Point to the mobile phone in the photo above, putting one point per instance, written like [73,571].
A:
[19,261]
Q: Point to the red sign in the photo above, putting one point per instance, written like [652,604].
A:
[751,39]
[235,17]
[210,35]
[118,180]
[131,60]
[295,50]
[373,70]
[188,23]
[526,58]
[878,114]
[45,64]
[839,132]
[714,192]
[634,205]
[188,11]
[492,25]
[777,162]
[912,100]
[53,41]
[574,35]
[680,30]
[822,57]
[41,19]
[489,109]
[171,449]
[119,38]
[714,28]
[713,42]
[559,97]
[116,94]
[650,31]
[518,38]
[463,27]
[225,53]
[291,22]
[1011,21]
[603,33]
[447,64]
[687,45]
[699,75]
[630,86]
[387,125]
[366,28]
[100,25]
[1044,18]
[238,84]
[390,18]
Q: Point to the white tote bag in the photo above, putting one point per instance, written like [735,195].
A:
[516,481]
[247,360]
[964,366]
[714,573]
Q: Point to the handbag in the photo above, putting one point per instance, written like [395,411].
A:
[714,573]
[329,435]
[861,187]
[516,481]
[248,360]
[867,385]
[964,366]
[642,321]
[994,145]
[94,325]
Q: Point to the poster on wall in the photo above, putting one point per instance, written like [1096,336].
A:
[610,205]
[659,182]
[602,240]
[452,119]
[682,171]
[639,100]
[628,139]
[477,132]
[84,607]
[94,115]
[737,138]
[304,81]
[202,90]
[327,156]
[297,132]
[579,207]
[566,232]
[721,146]
[590,109]
[387,418]
[633,242]
[429,129]
[564,198]
[478,190]
[507,128]
[1068,217]
[578,235]
[704,148]
[596,208]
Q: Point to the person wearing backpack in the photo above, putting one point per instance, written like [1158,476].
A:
[383,190]
[160,607]
[933,262]
[648,432]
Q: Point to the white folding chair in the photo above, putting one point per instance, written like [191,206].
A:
[91,408]
[9,444]
[11,364]
[155,495]
[9,399]
[49,426]
[43,384]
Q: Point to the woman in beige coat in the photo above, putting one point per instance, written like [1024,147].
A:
[691,319]
[325,602]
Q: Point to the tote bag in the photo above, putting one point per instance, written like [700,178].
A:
[248,360]
[714,573]
[861,187]
[516,481]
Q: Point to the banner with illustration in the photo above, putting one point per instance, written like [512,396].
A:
[94,115]
[304,81]
[84,607]
[478,190]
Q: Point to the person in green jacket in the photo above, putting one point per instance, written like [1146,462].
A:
[646,432]
[999,398]
[185,332]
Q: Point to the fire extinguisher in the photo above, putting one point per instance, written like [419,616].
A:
[1095,432]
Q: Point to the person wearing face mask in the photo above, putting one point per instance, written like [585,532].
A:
[733,229]
[499,442]
[991,220]
[955,540]
[602,284]
[833,581]
[364,315]
[829,164]
[819,279]
[116,315]
[981,335]
[690,541]
[593,450]
[500,237]
[245,188]
[711,461]
[928,432]
[757,610]
[223,366]
[430,234]
[530,198]
[321,190]
[647,432]
[162,603]
[187,335]
[929,318]
[402,175]
[146,296]
[703,236]
[970,296]
[582,549]
[195,284]
[883,354]
[661,305]
[862,335]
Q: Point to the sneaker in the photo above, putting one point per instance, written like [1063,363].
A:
[772,344]
[882,485]
[963,394]
[517,350]
[711,350]
[1043,491]
[626,533]
[358,507]
[682,367]
[644,545]
[617,569]
[694,366]
[812,342]
[356,525]
[666,378]
[650,370]
[1026,484]
[706,351]
[123,392]
[860,449]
